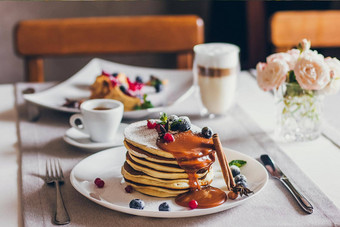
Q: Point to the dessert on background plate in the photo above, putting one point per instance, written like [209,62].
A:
[119,86]
[77,88]
[170,157]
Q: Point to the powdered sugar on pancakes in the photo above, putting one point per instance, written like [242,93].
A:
[139,133]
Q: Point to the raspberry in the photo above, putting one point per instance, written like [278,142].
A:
[151,125]
[106,74]
[99,182]
[136,86]
[129,189]
[114,81]
[168,137]
[193,204]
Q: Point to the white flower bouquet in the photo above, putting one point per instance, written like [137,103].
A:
[306,67]
[299,78]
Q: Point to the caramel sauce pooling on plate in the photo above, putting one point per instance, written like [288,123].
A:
[194,153]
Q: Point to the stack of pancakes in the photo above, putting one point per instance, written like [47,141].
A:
[153,171]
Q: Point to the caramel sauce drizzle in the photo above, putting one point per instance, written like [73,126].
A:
[194,153]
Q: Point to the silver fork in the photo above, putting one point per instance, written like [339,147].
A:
[54,175]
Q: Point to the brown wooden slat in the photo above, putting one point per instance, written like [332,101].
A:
[109,35]
[321,27]
[184,60]
[35,69]
[36,39]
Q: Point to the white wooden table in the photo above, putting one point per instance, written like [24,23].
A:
[319,159]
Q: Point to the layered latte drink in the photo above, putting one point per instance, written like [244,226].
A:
[216,67]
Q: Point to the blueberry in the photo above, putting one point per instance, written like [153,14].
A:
[242,183]
[114,74]
[207,132]
[174,126]
[240,177]
[137,204]
[184,124]
[173,118]
[139,79]
[159,87]
[122,88]
[164,207]
[235,170]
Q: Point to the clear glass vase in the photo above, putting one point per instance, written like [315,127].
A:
[299,113]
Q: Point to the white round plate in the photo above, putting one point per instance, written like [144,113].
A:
[78,87]
[107,165]
[74,137]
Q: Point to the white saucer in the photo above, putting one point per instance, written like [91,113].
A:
[81,140]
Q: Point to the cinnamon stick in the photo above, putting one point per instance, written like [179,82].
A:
[227,175]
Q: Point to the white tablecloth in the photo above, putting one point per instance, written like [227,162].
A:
[319,159]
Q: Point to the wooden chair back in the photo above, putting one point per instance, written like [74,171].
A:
[288,28]
[37,39]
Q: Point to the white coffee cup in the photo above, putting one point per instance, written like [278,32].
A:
[99,118]
[216,67]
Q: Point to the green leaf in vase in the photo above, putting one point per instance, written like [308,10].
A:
[291,77]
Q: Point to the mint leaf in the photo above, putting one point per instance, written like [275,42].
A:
[164,118]
[238,163]
[145,105]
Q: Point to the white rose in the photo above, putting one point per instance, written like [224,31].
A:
[334,85]
[294,56]
[290,57]
[305,44]
[272,74]
[311,71]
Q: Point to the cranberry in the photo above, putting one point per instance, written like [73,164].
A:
[99,182]
[151,125]
[97,179]
[168,137]
[129,189]
[193,204]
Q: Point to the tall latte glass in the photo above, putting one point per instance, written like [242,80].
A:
[216,67]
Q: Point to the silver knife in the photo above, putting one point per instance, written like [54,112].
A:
[275,171]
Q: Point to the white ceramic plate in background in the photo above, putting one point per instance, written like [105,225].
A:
[78,87]
[107,165]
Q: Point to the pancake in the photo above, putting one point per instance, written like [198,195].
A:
[156,191]
[154,165]
[141,137]
[153,171]
[160,174]
[139,177]
[137,152]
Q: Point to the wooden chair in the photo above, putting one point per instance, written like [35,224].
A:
[37,39]
[290,27]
